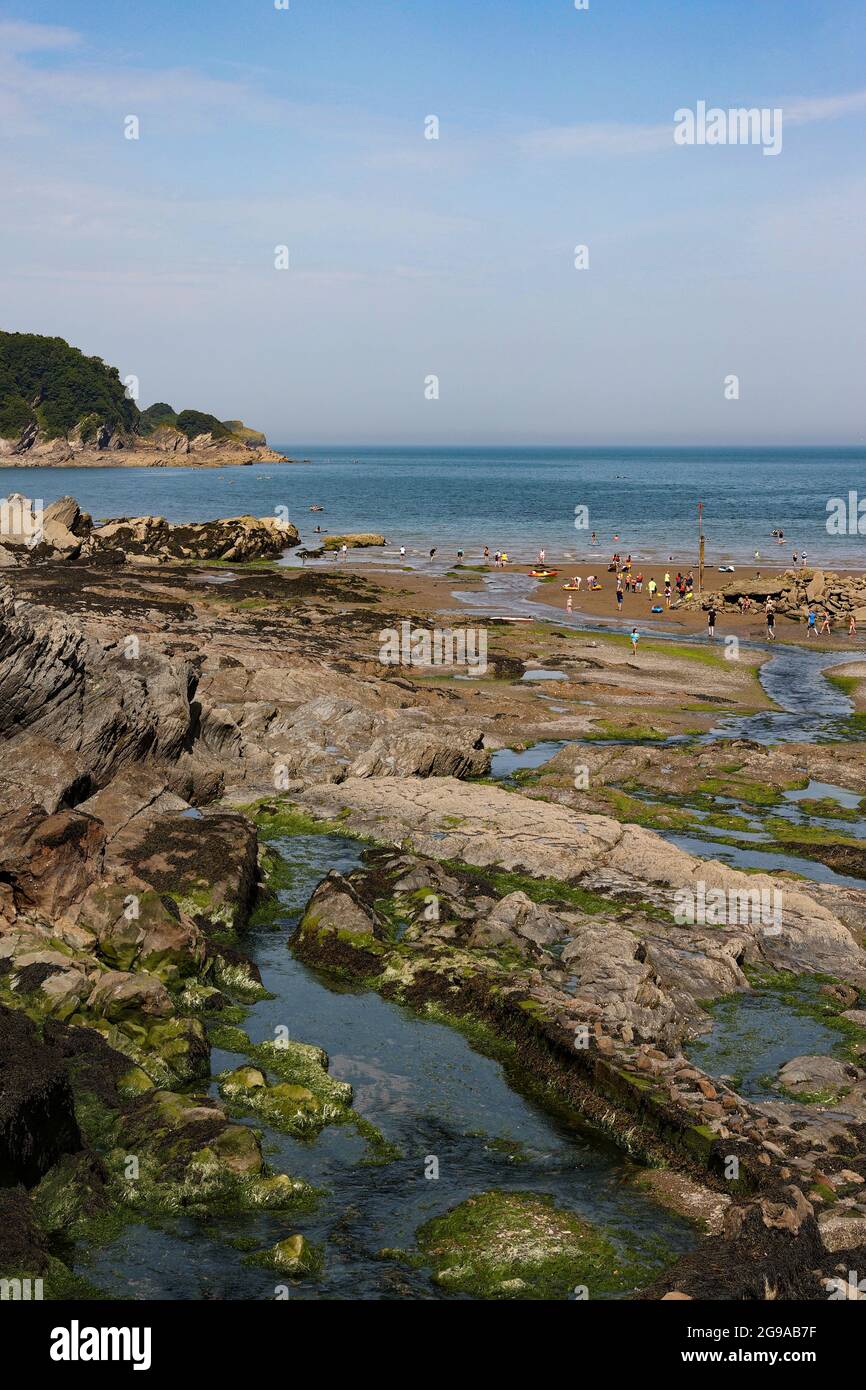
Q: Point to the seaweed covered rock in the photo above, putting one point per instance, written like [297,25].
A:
[37,1111]
[768,1249]
[338,926]
[293,1256]
[521,1245]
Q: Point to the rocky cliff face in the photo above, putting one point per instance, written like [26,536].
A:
[108,447]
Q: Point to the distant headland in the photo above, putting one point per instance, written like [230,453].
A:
[61,409]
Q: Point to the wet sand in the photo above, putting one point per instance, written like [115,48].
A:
[435,591]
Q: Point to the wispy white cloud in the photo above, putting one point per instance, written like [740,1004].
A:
[18,37]
[596,137]
[809,109]
[610,138]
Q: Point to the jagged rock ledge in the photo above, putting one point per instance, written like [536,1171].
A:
[63,532]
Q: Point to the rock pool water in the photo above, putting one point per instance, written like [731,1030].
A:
[430,1093]
[506,761]
[753,1035]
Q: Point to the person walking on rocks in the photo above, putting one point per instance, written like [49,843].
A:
[810,623]
[825,624]
[771,622]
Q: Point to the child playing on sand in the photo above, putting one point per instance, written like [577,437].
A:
[635,638]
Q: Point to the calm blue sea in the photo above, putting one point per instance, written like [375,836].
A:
[513,499]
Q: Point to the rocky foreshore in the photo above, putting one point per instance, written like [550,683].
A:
[160,734]
[794,592]
[62,532]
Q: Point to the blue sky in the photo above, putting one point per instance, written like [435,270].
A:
[454,257]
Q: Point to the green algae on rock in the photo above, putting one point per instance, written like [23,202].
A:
[293,1256]
[520,1245]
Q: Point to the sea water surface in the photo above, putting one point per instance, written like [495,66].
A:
[642,501]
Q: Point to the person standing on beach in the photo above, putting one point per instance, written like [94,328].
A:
[651,590]
[771,622]
[810,623]
[568,604]
[825,624]
[619,598]
[635,638]
[711,623]
[638,583]
[852,624]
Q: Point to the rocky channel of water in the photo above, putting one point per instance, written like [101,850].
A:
[431,1094]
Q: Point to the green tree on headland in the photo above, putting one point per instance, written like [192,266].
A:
[193,422]
[48,384]
[48,389]
[158,414]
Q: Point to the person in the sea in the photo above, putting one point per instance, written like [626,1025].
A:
[433,550]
